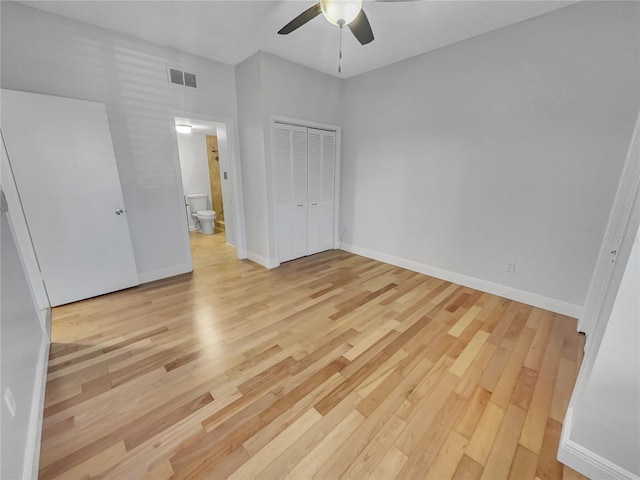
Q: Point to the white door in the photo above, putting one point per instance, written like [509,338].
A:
[299,176]
[321,159]
[291,191]
[65,170]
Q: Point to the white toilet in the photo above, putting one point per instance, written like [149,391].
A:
[203,218]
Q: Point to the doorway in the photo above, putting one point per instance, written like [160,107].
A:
[205,167]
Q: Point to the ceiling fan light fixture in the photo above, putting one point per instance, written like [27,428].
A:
[340,12]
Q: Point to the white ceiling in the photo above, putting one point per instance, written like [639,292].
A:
[231,31]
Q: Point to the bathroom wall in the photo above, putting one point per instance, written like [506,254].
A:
[194,166]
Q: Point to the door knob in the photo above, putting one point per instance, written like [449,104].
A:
[119,211]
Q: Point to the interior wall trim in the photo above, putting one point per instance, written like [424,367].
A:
[34,435]
[533,299]
[584,460]
[263,261]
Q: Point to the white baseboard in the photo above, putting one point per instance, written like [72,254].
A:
[584,460]
[260,260]
[146,277]
[528,298]
[32,453]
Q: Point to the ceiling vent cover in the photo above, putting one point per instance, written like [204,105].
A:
[178,77]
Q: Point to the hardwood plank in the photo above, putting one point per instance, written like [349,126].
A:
[331,365]
[524,464]
[390,464]
[431,442]
[96,465]
[523,389]
[322,453]
[494,369]
[426,413]
[539,344]
[446,462]
[504,388]
[278,445]
[562,390]
[364,464]
[484,435]
[548,467]
[273,428]
[464,321]
[463,362]
[503,450]
[358,440]
[467,468]
[473,410]
[312,438]
[535,424]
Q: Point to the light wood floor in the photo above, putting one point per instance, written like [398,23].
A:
[209,250]
[329,366]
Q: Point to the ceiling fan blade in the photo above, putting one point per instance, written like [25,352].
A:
[361,28]
[300,20]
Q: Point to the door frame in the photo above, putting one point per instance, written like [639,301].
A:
[23,238]
[624,221]
[236,179]
[275,119]
[606,277]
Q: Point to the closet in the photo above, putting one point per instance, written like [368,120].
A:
[304,190]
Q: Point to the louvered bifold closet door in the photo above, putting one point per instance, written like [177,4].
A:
[321,159]
[291,190]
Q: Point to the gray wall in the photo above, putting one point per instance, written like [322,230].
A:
[49,54]
[252,157]
[268,86]
[504,147]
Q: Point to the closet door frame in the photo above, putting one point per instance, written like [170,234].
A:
[276,119]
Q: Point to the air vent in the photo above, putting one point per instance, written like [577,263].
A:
[190,80]
[178,77]
[175,76]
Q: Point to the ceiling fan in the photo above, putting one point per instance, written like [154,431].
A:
[340,13]
[337,12]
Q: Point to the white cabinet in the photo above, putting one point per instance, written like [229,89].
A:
[304,185]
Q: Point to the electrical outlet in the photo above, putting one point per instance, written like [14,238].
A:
[10,401]
[511,267]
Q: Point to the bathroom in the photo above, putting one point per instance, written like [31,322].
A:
[204,165]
